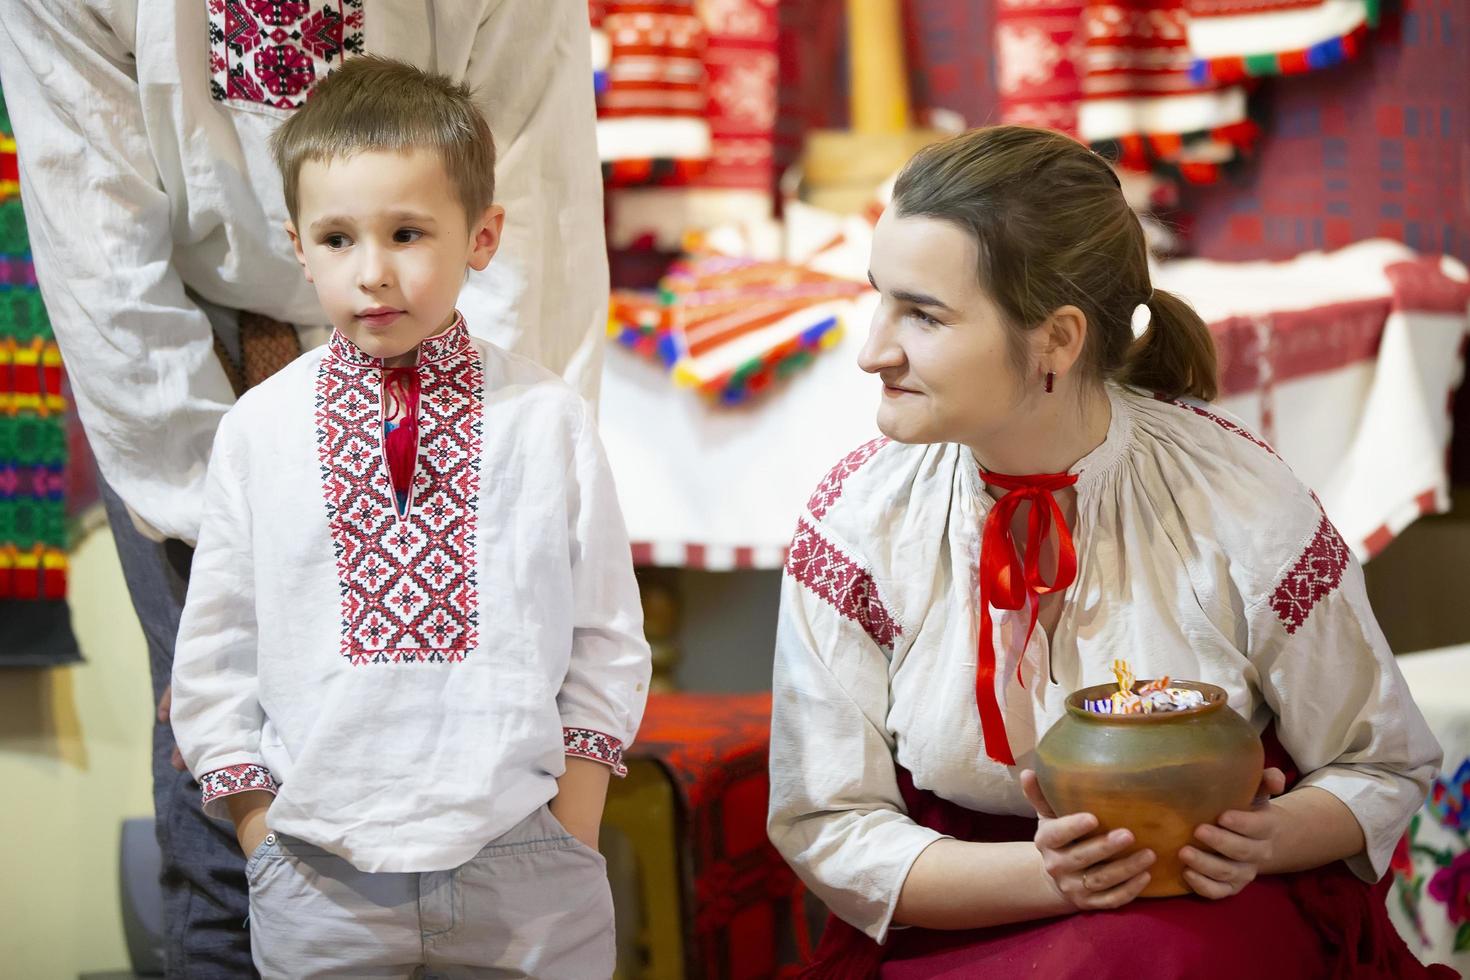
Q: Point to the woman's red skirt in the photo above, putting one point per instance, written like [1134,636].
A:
[1321,923]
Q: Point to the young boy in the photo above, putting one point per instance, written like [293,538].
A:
[411,653]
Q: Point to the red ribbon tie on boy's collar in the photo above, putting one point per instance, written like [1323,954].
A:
[1008,583]
[401,393]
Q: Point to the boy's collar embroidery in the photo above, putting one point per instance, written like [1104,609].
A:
[408,580]
[436,348]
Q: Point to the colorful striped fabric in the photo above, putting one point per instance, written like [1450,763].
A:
[34,620]
[1165,154]
[730,327]
[1238,36]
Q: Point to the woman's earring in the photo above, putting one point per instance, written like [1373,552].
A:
[1051,376]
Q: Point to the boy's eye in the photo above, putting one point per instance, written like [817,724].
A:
[335,240]
[405,236]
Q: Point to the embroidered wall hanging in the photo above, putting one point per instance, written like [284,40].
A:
[35,623]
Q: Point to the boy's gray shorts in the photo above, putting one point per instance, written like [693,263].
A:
[534,902]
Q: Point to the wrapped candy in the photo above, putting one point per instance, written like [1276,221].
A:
[1133,698]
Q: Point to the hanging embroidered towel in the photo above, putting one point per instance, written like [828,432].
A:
[648,64]
[1036,46]
[741,63]
[35,622]
[1140,104]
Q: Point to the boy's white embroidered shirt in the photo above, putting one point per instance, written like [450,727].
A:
[1200,556]
[155,208]
[408,685]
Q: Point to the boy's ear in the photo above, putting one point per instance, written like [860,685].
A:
[485,237]
[296,246]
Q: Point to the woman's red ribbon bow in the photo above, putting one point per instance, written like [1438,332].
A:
[1007,583]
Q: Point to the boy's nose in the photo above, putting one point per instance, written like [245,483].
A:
[375,272]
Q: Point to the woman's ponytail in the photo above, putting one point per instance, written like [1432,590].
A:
[1176,354]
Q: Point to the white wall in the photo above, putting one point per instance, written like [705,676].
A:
[74,762]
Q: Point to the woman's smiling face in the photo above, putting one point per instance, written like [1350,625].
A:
[938,341]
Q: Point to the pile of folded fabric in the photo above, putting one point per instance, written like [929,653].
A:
[729,326]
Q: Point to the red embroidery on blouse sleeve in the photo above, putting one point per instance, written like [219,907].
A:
[848,587]
[1314,576]
[830,489]
[1225,424]
[236,779]
[588,743]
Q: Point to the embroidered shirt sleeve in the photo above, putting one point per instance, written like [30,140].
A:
[236,779]
[150,436]
[603,693]
[586,743]
[836,813]
[1343,710]
[216,713]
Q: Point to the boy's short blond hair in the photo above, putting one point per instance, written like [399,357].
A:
[376,103]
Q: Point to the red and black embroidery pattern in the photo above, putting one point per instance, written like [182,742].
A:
[236,779]
[597,746]
[408,584]
[1225,424]
[817,564]
[1314,576]
[271,52]
[830,488]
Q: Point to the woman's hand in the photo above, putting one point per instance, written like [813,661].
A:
[1085,872]
[1244,841]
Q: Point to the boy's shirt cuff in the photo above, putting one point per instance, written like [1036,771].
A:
[588,743]
[242,778]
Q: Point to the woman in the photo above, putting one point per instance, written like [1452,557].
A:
[1052,494]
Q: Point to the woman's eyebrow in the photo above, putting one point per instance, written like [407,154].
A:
[917,299]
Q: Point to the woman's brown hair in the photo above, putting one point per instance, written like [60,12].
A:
[1053,230]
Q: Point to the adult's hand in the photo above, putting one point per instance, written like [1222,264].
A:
[164,703]
[1242,842]
[1085,870]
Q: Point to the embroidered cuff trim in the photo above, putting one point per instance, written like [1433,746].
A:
[587,743]
[236,779]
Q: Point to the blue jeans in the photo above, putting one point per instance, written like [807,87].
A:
[205,896]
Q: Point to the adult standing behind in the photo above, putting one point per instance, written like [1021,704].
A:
[1057,495]
[157,224]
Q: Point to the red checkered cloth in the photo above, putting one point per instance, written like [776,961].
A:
[1377,149]
[743,915]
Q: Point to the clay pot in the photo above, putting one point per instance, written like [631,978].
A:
[1158,775]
